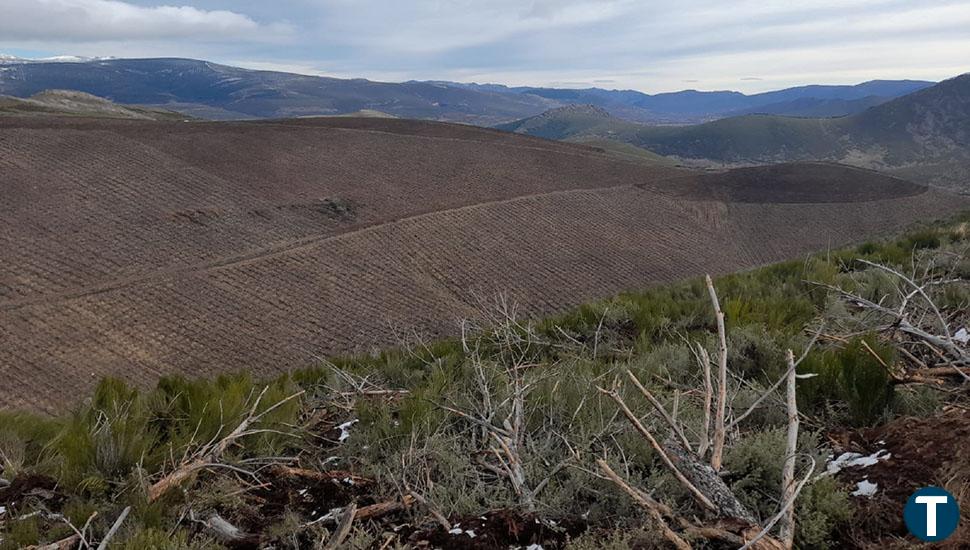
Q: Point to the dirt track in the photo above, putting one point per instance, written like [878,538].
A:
[142,249]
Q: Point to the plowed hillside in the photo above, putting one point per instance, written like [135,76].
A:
[138,249]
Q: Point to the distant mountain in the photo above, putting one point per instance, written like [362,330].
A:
[71,103]
[209,90]
[924,135]
[692,106]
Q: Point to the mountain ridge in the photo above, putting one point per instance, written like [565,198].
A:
[210,90]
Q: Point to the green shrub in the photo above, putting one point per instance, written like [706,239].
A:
[20,533]
[822,507]
[850,378]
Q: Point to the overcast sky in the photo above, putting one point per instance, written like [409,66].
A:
[648,45]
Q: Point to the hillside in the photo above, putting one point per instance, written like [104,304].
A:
[397,448]
[924,135]
[65,102]
[137,249]
[812,107]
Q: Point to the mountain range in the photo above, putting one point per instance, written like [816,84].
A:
[698,106]
[209,90]
[924,135]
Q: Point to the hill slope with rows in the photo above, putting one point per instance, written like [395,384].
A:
[138,249]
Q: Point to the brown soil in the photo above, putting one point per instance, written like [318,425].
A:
[31,488]
[797,183]
[498,530]
[925,451]
[139,249]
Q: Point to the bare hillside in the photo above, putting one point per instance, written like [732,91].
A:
[138,249]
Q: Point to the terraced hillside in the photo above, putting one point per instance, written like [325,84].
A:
[137,249]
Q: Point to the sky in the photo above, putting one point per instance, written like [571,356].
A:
[647,45]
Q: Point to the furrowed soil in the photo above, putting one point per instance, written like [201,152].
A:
[140,249]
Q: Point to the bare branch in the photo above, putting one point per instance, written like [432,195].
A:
[660,409]
[700,497]
[788,470]
[654,508]
[717,453]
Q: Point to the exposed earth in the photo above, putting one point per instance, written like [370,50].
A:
[138,249]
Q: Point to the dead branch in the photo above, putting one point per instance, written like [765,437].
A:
[787,532]
[653,508]
[787,505]
[114,528]
[771,389]
[343,527]
[700,497]
[433,510]
[212,452]
[228,533]
[717,452]
[705,361]
[660,409]
[63,544]
[384,508]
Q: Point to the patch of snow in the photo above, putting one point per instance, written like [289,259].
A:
[855,460]
[2,510]
[865,488]
[345,430]
[348,481]
[962,336]
[457,530]
[534,547]
[4,58]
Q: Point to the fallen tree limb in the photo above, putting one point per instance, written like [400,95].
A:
[114,528]
[343,527]
[653,508]
[212,453]
[698,496]
[384,508]
[660,409]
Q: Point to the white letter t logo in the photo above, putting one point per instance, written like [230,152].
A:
[931,502]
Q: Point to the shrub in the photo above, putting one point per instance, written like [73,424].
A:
[851,377]
[821,509]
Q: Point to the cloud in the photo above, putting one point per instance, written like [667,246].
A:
[437,26]
[108,20]
[650,45]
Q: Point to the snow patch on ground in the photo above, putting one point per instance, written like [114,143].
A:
[855,460]
[345,429]
[962,336]
[457,530]
[865,488]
